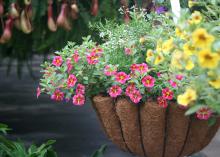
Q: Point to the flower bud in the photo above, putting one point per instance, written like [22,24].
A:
[14,11]
[25,23]
[95,7]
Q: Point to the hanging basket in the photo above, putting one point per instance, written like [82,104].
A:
[151,131]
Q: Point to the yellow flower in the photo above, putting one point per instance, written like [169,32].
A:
[189,65]
[176,60]
[142,40]
[215,83]
[201,38]
[207,59]
[188,49]
[191,3]
[167,45]
[186,98]
[159,58]
[149,54]
[196,17]
[178,31]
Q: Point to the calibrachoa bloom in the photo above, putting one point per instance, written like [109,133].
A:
[69,65]
[158,74]
[97,50]
[38,91]
[204,113]
[76,56]
[80,89]
[167,94]
[173,83]
[78,99]
[128,51]
[109,71]
[121,77]
[162,102]
[115,91]
[134,67]
[179,77]
[136,96]
[130,89]
[92,58]
[148,81]
[57,95]
[57,61]
[71,81]
[142,68]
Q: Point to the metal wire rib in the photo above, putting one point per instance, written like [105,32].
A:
[165,131]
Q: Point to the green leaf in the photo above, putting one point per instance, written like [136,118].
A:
[100,152]
[193,110]
[211,121]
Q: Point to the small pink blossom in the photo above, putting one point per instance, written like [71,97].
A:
[158,74]
[69,65]
[162,102]
[148,81]
[115,91]
[142,68]
[130,89]
[57,95]
[92,58]
[80,89]
[128,51]
[97,50]
[76,56]
[167,94]
[71,81]
[204,113]
[121,77]
[173,83]
[136,96]
[179,77]
[38,91]
[134,67]
[109,71]
[79,99]
[57,61]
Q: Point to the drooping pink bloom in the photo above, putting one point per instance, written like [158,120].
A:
[173,83]
[69,65]
[92,58]
[179,77]
[38,91]
[121,77]
[204,113]
[71,81]
[167,94]
[134,67]
[57,95]
[142,68]
[158,74]
[109,71]
[79,99]
[128,51]
[148,81]
[76,56]
[136,96]
[57,61]
[114,91]
[80,89]
[130,89]
[162,102]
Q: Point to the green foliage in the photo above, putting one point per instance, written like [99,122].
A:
[100,152]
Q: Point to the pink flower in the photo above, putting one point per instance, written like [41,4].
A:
[57,61]
[69,65]
[162,102]
[80,89]
[179,77]
[136,96]
[148,81]
[79,99]
[167,94]
[173,83]
[134,67]
[57,95]
[158,74]
[92,58]
[130,89]
[76,56]
[71,81]
[109,71]
[121,77]
[38,91]
[128,51]
[97,50]
[115,91]
[204,113]
[142,68]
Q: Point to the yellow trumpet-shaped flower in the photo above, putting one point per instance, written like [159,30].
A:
[149,55]
[201,38]
[207,59]
[186,98]
[191,3]
[167,45]
[189,65]
[215,83]
[176,60]
[196,17]
[142,40]
[159,59]
[189,49]
[181,34]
